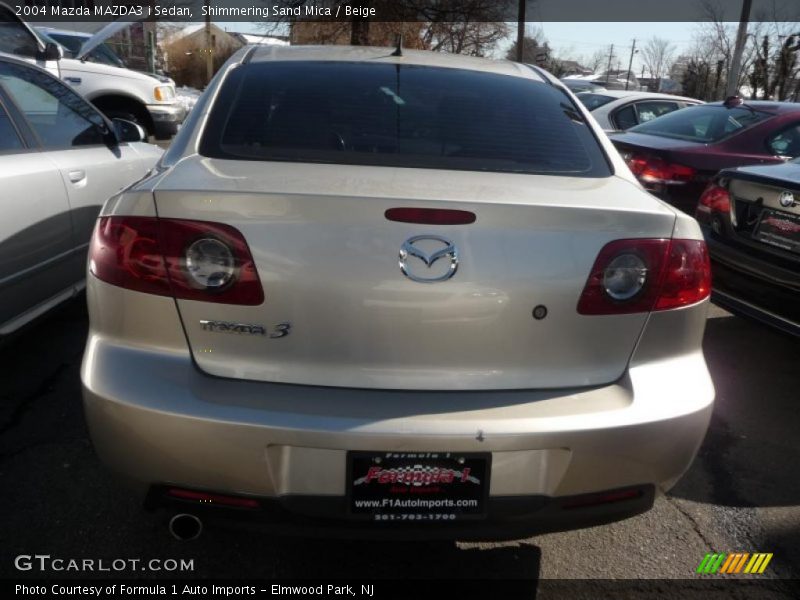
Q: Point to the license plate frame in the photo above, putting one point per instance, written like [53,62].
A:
[417,487]
[779,229]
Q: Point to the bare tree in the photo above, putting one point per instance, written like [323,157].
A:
[657,55]
[596,61]
[473,27]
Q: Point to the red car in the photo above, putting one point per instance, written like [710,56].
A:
[676,155]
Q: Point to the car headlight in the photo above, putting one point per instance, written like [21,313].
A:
[164,93]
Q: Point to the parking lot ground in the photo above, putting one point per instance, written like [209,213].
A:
[741,494]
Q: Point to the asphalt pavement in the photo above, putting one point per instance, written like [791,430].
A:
[741,494]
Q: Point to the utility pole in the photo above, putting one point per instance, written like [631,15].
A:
[520,30]
[738,50]
[765,67]
[630,64]
[610,57]
[209,46]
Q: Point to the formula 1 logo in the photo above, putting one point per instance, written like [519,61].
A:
[417,475]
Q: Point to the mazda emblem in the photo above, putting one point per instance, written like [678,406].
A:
[420,270]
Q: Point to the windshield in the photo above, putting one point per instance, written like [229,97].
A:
[706,124]
[592,101]
[404,116]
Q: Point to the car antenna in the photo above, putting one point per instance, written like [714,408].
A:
[398,51]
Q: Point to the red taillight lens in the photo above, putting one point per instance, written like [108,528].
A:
[641,275]
[687,275]
[430,216]
[651,169]
[715,198]
[208,498]
[190,260]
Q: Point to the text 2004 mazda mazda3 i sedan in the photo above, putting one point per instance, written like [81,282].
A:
[415,295]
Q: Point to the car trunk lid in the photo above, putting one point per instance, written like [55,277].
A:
[339,311]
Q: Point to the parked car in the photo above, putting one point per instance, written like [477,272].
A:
[118,92]
[60,160]
[582,85]
[616,110]
[751,219]
[675,156]
[411,295]
[73,41]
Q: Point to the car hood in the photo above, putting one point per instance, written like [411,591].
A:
[101,36]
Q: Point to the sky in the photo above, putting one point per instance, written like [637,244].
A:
[576,39]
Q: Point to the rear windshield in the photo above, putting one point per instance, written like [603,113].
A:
[400,116]
[702,123]
[592,101]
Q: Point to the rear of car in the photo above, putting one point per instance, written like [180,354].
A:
[402,296]
[676,155]
[751,220]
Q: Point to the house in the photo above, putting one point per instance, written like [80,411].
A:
[573,67]
[185,56]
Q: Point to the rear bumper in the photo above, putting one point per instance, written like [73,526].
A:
[508,517]
[166,119]
[754,287]
[157,420]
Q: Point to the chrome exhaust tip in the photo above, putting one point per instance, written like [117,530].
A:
[185,527]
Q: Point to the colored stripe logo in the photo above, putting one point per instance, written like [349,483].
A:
[735,562]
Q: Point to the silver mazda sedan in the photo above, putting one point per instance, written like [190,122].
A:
[396,294]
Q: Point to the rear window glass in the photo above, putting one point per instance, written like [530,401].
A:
[592,101]
[400,116]
[702,123]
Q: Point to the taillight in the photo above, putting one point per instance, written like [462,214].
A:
[642,275]
[651,169]
[189,260]
[430,216]
[715,198]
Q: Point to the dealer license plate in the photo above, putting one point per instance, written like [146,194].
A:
[423,487]
[779,229]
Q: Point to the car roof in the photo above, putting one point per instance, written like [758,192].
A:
[633,94]
[269,53]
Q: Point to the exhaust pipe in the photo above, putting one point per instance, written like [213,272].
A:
[185,527]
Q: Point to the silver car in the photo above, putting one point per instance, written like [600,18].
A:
[60,160]
[415,295]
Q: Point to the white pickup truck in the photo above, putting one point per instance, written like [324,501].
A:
[118,92]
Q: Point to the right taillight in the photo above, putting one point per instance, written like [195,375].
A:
[642,275]
[189,260]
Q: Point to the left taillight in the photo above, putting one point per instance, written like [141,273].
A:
[189,260]
[651,169]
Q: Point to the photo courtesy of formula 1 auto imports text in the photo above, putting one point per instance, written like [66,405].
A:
[400,299]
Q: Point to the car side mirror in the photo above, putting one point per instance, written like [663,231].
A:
[128,131]
[52,51]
